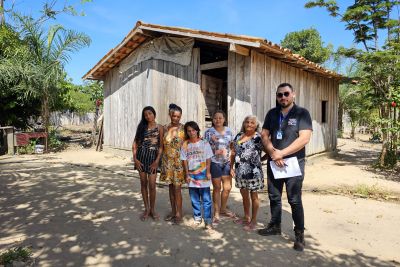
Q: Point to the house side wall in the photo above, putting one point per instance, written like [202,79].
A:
[239,95]
[153,82]
[252,82]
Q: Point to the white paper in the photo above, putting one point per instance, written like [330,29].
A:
[291,168]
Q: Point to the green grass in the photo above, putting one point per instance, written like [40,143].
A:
[15,254]
[370,191]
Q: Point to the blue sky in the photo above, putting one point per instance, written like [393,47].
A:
[107,22]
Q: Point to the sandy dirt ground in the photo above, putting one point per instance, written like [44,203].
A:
[82,207]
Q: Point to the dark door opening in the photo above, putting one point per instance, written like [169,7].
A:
[214,75]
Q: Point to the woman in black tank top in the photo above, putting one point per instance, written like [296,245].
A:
[147,149]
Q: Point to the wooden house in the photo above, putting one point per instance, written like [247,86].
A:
[203,71]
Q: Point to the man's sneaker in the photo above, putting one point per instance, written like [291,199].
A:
[299,243]
[271,229]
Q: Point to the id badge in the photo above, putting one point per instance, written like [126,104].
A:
[279,135]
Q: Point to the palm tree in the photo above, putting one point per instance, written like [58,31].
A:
[50,51]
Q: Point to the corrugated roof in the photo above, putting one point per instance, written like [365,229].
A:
[143,32]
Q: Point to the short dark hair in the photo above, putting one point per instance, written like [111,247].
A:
[223,114]
[285,85]
[191,124]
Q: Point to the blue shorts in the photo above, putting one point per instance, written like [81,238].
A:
[218,169]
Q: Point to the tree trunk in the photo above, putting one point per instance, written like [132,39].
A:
[2,12]
[395,135]
[340,120]
[397,112]
[384,125]
[353,131]
[46,118]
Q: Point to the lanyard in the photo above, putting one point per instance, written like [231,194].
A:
[282,118]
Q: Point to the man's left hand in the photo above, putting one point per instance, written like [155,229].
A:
[276,155]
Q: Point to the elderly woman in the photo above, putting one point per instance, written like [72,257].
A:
[246,168]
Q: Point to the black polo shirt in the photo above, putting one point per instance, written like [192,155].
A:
[296,120]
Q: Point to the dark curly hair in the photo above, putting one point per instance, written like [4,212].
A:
[173,107]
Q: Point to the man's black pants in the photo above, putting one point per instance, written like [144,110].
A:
[293,190]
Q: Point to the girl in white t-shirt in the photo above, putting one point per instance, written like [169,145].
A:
[196,155]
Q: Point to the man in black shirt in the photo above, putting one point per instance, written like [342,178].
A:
[286,130]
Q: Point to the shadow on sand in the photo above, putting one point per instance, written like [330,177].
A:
[79,216]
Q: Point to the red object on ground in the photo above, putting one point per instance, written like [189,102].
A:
[393,104]
[23,138]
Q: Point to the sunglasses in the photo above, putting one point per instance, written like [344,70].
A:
[280,95]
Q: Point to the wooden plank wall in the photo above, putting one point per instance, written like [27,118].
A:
[153,82]
[256,94]
[239,105]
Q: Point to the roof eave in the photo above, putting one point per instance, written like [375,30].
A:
[142,29]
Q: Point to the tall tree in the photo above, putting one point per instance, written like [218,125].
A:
[308,43]
[375,28]
[50,50]
[15,108]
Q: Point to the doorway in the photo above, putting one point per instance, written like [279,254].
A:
[214,75]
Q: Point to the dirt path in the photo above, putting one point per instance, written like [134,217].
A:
[349,168]
[73,214]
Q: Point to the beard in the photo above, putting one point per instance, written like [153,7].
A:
[285,105]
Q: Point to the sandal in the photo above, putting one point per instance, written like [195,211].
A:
[250,227]
[241,221]
[228,214]
[144,216]
[169,218]
[155,216]
[177,221]
[215,222]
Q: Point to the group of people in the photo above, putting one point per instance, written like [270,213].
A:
[217,157]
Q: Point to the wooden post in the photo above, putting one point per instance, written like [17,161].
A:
[10,140]
[94,130]
[99,145]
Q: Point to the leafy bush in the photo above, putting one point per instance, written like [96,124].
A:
[28,149]
[15,254]
[376,137]
[55,144]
